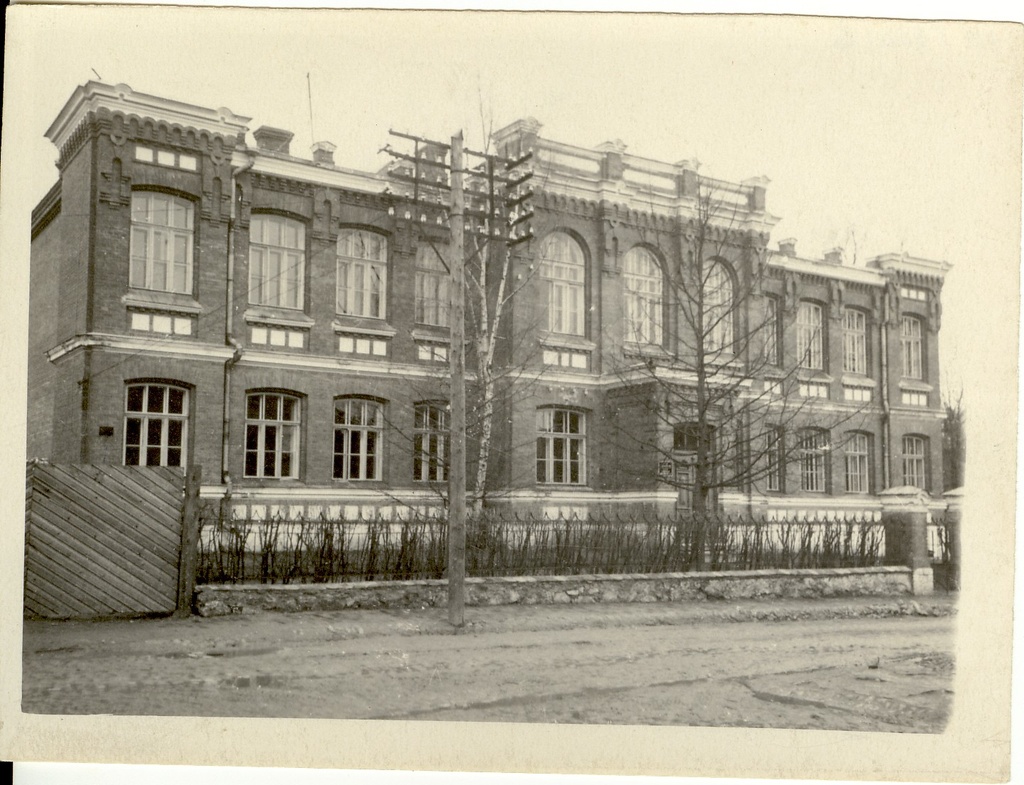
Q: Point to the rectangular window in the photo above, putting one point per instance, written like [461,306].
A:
[914,293]
[911,343]
[161,243]
[358,432]
[561,447]
[362,273]
[770,330]
[277,261]
[914,461]
[813,446]
[432,352]
[813,389]
[809,326]
[855,352]
[909,398]
[431,443]
[272,436]
[155,425]
[858,451]
[857,394]
[432,281]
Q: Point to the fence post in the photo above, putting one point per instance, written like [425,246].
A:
[905,517]
[954,519]
[189,541]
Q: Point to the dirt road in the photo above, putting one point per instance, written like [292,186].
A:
[791,665]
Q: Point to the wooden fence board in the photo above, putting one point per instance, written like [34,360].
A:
[103,540]
[83,526]
[96,568]
[85,510]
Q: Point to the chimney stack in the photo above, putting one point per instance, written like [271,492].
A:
[787,247]
[323,153]
[273,140]
[834,256]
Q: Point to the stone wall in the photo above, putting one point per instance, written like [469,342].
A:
[219,600]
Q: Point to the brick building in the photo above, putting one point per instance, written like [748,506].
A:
[282,321]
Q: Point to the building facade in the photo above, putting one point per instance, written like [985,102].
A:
[197,298]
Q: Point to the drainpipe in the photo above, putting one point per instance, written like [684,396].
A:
[885,391]
[229,337]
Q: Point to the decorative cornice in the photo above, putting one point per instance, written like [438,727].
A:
[96,97]
[188,350]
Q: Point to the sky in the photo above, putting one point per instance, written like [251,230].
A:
[876,136]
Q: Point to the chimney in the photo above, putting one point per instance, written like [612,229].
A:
[834,256]
[272,140]
[323,153]
[787,247]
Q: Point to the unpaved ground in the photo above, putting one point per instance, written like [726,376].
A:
[868,665]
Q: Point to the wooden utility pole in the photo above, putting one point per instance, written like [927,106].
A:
[457,361]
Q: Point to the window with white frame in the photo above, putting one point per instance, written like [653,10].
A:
[431,443]
[642,277]
[161,242]
[272,423]
[362,273]
[770,330]
[561,447]
[858,453]
[277,261]
[432,282]
[563,273]
[809,326]
[718,309]
[915,461]
[911,342]
[813,447]
[155,425]
[358,438]
[855,342]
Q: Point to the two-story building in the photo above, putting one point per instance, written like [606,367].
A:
[283,322]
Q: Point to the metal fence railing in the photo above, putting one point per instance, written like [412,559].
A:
[273,550]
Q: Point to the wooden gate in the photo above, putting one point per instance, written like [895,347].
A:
[109,540]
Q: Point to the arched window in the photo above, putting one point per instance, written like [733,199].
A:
[718,309]
[858,461]
[362,273]
[915,461]
[431,443]
[358,437]
[911,343]
[272,435]
[277,261]
[161,244]
[643,290]
[155,425]
[561,447]
[809,330]
[813,447]
[563,273]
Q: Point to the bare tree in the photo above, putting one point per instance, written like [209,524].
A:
[954,441]
[497,224]
[707,360]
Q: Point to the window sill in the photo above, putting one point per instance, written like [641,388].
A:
[170,302]
[630,349]
[915,385]
[431,335]
[385,330]
[813,375]
[558,341]
[856,380]
[278,317]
